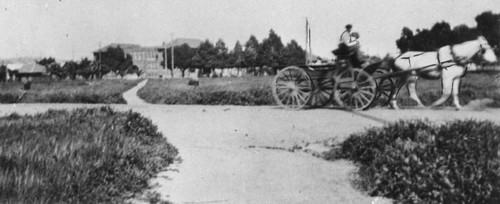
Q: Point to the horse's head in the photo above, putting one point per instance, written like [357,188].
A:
[486,51]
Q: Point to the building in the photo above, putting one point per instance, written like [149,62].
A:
[148,59]
[20,70]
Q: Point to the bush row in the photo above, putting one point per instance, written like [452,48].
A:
[420,162]
[65,91]
[83,156]
[217,91]
[257,91]
[249,97]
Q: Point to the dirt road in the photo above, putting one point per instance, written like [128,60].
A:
[234,154]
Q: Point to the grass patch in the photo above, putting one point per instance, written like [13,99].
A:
[257,91]
[83,156]
[420,162]
[67,91]
[211,91]
[474,86]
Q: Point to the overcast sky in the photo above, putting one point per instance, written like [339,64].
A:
[73,29]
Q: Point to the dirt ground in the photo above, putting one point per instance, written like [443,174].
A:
[238,154]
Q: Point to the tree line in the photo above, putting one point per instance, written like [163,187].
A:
[441,34]
[271,52]
[113,60]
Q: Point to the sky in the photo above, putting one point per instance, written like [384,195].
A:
[68,30]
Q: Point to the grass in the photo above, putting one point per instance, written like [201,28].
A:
[211,91]
[67,91]
[418,161]
[474,86]
[257,91]
[83,156]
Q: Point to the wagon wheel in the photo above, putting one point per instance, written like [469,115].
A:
[385,88]
[355,89]
[292,88]
[322,93]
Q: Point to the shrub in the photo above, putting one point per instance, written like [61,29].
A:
[417,161]
[67,91]
[218,91]
[84,156]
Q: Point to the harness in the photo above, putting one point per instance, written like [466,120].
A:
[441,64]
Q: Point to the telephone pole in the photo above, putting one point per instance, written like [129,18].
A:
[164,55]
[100,60]
[172,47]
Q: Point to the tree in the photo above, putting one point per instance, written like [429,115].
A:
[71,69]
[462,33]
[85,68]
[252,51]
[425,40]
[293,54]
[114,59]
[405,43]
[3,73]
[221,54]
[134,69]
[272,50]
[183,55]
[55,69]
[205,57]
[237,56]
[46,61]
[52,67]
[442,34]
[488,25]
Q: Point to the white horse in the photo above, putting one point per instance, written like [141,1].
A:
[449,63]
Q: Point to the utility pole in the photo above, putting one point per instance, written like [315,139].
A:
[172,47]
[164,55]
[99,66]
[307,37]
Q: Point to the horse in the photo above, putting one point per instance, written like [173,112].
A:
[448,63]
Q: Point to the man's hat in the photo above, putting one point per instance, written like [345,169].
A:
[348,26]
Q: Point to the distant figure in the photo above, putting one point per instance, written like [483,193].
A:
[349,46]
[193,79]
[27,84]
[346,38]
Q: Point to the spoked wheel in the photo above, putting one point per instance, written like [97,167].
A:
[385,88]
[322,93]
[292,88]
[355,89]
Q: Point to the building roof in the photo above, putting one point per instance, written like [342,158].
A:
[27,68]
[193,43]
[137,48]
[126,47]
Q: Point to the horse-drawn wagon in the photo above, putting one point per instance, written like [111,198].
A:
[355,88]
[340,83]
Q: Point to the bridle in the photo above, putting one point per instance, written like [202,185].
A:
[461,62]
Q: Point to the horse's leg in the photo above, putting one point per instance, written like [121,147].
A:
[401,81]
[411,83]
[447,85]
[456,91]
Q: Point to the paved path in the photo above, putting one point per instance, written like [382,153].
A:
[131,95]
[223,154]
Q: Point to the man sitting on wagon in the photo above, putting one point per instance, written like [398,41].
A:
[349,46]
